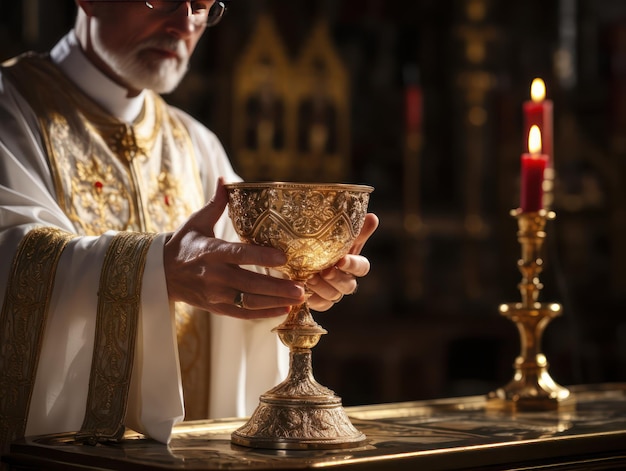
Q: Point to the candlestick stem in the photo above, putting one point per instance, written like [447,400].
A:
[531,236]
[531,388]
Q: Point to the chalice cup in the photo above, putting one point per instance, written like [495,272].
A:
[315,225]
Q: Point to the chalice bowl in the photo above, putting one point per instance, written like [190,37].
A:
[315,225]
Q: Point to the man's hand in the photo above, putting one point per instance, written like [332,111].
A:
[205,272]
[335,282]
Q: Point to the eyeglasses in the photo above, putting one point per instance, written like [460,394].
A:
[203,12]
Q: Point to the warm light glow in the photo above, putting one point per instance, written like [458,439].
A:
[534,140]
[538,90]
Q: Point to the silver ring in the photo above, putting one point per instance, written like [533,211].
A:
[238,301]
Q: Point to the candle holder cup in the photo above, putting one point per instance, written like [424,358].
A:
[315,225]
[532,388]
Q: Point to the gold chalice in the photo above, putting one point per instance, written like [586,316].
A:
[315,225]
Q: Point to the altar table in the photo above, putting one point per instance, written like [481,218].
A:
[443,434]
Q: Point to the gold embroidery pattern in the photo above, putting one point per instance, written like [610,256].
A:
[111,175]
[166,207]
[124,143]
[116,333]
[169,200]
[100,200]
[22,322]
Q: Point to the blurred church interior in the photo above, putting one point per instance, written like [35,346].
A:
[423,101]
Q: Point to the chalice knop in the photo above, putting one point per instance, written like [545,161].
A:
[315,225]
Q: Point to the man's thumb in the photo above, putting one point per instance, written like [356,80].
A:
[214,209]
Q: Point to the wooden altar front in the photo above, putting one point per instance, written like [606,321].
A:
[444,434]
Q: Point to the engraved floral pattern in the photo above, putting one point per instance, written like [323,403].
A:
[314,225]
[299,424]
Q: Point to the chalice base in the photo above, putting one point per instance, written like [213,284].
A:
[299,414]
[299,424]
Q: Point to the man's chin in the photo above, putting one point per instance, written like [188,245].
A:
[161,79]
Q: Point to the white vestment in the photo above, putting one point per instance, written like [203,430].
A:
[246,358]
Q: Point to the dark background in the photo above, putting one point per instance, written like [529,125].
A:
[425,322]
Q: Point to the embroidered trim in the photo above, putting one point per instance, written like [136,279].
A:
[108,175]
[116,334]
[22,323]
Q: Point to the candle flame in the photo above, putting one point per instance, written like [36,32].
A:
[538,90]
[534,140]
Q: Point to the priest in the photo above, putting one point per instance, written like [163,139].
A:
[126,299]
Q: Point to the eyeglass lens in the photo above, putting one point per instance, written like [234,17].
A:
[200,10]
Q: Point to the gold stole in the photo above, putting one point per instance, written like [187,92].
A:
[109,175]
[116,332]
[22,322]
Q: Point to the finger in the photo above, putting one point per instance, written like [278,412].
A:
[223,282]
[258,302]
[204,219]
[263,291]
[332,285]
[322,288]
[317,303]
[243,313]
[238,253]
[212,296]
[370,224]
[355,265]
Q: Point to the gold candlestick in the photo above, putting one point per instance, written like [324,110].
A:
[532,388]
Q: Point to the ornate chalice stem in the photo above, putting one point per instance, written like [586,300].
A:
[531,388]
[300,333]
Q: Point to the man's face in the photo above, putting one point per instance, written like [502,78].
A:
[142,48]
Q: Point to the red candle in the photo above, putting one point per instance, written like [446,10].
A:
[533,166]
[413,108]
[538,112]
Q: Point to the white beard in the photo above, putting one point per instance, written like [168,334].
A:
[140,71]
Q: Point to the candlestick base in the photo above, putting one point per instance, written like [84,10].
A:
[532,388]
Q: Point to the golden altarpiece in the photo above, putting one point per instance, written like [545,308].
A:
[290,116]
